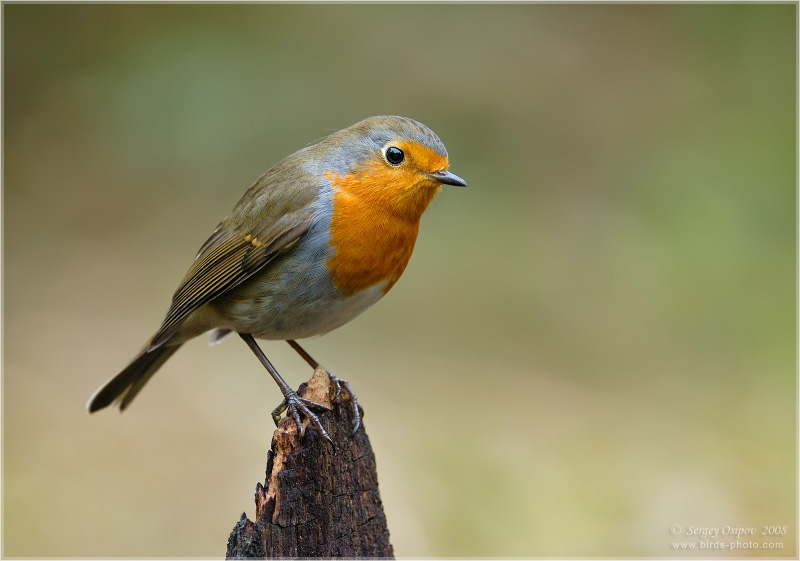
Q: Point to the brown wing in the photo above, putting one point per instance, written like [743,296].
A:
[228,258]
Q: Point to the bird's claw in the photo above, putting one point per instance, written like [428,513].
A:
[337,386]
[299,405]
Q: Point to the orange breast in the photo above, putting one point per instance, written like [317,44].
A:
[376,215]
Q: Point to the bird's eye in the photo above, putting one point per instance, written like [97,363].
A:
[394,155]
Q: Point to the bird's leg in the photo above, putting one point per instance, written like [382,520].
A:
[291,401]
[337,385]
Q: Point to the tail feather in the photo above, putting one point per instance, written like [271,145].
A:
[124,386]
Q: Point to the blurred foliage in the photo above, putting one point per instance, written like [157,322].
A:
[594,341]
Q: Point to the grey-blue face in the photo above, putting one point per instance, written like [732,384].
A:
[371,138]
[386,128]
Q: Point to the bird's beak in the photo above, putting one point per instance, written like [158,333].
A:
[447,178]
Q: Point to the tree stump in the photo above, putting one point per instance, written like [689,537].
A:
[316,502]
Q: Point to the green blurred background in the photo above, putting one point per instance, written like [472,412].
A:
[594,341]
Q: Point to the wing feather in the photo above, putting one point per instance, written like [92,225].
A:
[228,258]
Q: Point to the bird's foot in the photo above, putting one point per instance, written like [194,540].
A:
[337,386]
[298,406]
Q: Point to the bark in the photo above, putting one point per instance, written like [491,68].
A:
[316,502]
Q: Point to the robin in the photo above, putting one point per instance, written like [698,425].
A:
[318,239]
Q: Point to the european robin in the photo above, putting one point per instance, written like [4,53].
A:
[318,239]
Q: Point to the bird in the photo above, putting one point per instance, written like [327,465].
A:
[320,237]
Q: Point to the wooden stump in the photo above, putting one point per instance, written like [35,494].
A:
[316,502]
